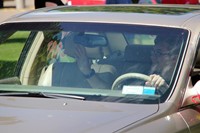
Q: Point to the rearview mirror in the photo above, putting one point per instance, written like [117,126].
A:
[90,40]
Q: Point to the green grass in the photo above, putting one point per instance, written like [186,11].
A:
[7,69]
[10,50]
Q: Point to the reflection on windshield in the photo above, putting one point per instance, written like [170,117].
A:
[131,59]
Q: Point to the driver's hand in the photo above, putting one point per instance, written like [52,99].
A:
[158,82]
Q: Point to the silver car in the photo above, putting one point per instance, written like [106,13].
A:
[101,69]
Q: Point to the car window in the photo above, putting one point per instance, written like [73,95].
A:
[141,39]
[113,61]
[11,45]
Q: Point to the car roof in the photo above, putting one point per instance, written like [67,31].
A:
[163,15]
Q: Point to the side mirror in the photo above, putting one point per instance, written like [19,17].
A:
[192,95]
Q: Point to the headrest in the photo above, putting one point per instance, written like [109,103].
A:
[139,53]
[94,53]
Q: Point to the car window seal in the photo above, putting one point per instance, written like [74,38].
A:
[11,80]
[41,94]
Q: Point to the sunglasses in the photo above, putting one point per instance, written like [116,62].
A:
[159,53]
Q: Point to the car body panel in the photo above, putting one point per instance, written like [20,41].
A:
[109,16]
[20,113]
[167,124]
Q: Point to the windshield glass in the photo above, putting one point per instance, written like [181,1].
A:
[103,62]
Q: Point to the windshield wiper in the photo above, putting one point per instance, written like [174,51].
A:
[57,95]
[42,94]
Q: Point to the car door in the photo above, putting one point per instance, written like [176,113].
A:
[191,105]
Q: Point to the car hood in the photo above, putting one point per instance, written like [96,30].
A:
[44,115]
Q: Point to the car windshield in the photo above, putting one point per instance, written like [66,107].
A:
[98,61]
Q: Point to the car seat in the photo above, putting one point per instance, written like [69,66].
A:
[137,58]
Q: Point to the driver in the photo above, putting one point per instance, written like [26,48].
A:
[163,56]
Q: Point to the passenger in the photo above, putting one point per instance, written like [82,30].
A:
[84,64]
[163,58]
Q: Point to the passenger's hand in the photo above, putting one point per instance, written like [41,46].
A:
[82,59]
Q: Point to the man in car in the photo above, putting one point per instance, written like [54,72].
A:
[163,57]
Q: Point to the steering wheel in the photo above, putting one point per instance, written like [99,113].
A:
[127,76]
